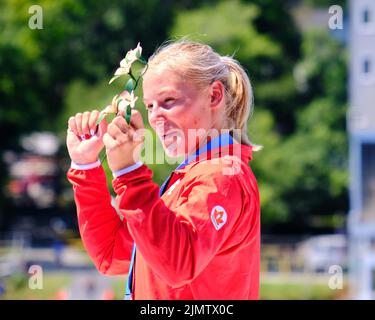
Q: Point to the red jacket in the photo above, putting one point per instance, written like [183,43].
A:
[199,240]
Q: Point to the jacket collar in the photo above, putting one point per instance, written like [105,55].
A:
[218,147]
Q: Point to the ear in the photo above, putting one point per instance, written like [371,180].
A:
[216,94]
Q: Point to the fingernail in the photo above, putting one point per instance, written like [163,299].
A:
[92,132]
[83,137]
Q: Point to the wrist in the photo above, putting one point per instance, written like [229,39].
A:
[127,169]
[85,166]
[84,161]
[121,166]
[119,163]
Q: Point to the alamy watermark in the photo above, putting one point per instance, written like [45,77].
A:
[36,19]
[336,20]
[336,280]
[36,277]
[177,143]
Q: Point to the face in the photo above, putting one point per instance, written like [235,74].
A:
[175,107]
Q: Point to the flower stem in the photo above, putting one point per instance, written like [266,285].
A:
[131,75]
[102,160]
[136,82]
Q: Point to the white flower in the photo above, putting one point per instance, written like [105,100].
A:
[128,99]
[112,108]
[122,70]
[133,99]
[132,56]
[126,63]
[122,105]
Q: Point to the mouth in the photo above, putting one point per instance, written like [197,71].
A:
[163,133]
[168,134]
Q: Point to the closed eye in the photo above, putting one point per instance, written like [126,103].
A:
[168,102]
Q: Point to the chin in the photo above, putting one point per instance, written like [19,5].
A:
[174,148]
[173,152]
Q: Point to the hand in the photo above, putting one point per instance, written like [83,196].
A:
[83,147]
[123,142]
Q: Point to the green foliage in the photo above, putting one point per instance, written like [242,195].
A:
[299,81]
[322,71]
[17,287]
[80,41]
[312,170]
[230,29]
[325,3]
[297,291]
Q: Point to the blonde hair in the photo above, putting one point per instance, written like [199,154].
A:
[201,64]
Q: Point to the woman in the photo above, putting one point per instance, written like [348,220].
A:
[198,236]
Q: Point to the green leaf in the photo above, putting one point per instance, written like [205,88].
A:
[114,78]
[128,114]
[100,118]
[129,87]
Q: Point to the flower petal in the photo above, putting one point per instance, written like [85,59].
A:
[138,50]
[120,71]
[123,63]
[122,105]
[113,79]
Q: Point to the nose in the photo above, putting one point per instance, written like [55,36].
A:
[155,114]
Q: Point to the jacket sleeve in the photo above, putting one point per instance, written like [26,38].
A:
[178,242]
[105,236]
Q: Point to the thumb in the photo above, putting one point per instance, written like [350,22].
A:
[136,120]
[103,125]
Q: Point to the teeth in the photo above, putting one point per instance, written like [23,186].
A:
[168,134]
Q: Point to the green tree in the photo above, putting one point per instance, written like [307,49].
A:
[300,102]
[298,78]
[80,40]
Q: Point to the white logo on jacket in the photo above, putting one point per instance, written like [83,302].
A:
[173,186]
[218,217]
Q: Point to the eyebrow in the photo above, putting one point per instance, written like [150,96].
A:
[162,91]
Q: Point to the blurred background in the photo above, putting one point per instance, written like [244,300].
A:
[312,70]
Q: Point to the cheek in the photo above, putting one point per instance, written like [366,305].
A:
[151,120]
[198,121]
[195,116]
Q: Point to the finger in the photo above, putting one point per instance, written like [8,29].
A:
[72,138]
[85,124]
[109,142]
[94,115]
[103,127]
[72,125]
[136,120]
[131,133]
[125,128]
[120,122]
[78,120]
[139,135]
[116,134]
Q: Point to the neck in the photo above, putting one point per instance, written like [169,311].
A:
[201,142]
